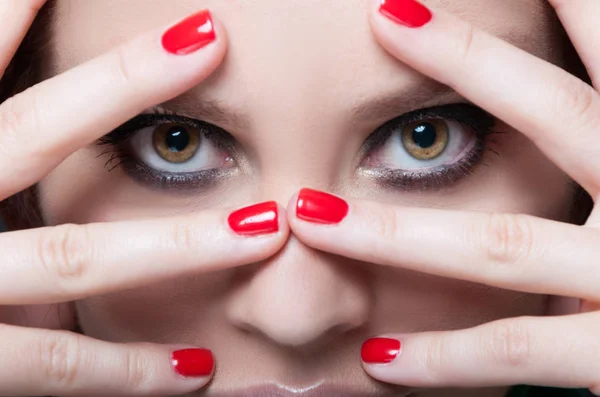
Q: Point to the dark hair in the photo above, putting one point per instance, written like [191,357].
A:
[22,211]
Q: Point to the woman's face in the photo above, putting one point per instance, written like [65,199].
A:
[302,89]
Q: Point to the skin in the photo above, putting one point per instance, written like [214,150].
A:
[297,318]
[299,296]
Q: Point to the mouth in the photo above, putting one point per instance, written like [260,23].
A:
[319,390]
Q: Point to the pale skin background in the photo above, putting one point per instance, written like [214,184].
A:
[294,72]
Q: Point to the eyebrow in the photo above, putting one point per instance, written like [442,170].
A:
[422,93]
[208,110]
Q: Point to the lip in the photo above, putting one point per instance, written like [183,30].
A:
[319,390]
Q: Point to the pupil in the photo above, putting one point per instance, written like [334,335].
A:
[177,139]
[424,135]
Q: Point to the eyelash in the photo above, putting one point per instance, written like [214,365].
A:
[475,118]
[114,140]
[478,120]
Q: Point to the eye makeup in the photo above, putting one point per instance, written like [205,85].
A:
[477,121]
[474,120]
[121,154]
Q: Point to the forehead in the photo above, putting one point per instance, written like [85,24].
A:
[290,47]
[318,26]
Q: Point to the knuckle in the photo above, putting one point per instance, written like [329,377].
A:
[183,237]
[135,363]
[510,343]
[387,226]
[11,119]
[465,49]
[19,116]
[580,101]
[122,66]
[434,356]
[63,252]
[60,357]
[508,238]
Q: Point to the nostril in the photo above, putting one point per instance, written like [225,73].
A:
[295,338]
[300,298]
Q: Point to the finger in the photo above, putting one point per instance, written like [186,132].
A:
[39,125]
[517,252]
[580,21]
[524,350]
[70,262]
[40,362]
[16,17]
[557,111]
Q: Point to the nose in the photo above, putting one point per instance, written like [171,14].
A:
[301,298]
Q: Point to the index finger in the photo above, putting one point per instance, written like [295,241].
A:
[511,251]
[71,110]
[69,262]
[556,110]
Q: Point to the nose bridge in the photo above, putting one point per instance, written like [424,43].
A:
[299,298]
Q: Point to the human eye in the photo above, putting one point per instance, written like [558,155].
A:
[428,148]
[167,150]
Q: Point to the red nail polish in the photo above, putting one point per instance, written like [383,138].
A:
[410,13]
[193,362]
[190,34]
[320,207]
[256,219]
[379,350]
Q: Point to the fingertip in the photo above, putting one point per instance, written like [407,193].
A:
[193,362]
[383,358]
[221,41]
[194,45]
[283,222]
[192,368]
[291,208]
[265,218]
[220,31]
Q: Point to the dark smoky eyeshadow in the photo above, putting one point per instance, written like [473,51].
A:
[480,122]
[120,154]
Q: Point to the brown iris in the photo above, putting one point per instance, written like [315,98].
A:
[425,139]
[176,143]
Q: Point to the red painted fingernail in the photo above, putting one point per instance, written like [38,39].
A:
[190,34]
[379,350]
[256,219]
[193,362]
[410,13]
[320,207]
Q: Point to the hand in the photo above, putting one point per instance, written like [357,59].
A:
[44,125]
[516,252]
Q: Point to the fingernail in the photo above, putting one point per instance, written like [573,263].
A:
[256,219]
[320,207]
[193,362]
[410,13]
[379,350]
[190,34]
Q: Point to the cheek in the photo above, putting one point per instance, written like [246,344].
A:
[80,190]
[414,302]
[518,178]
[162,313]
